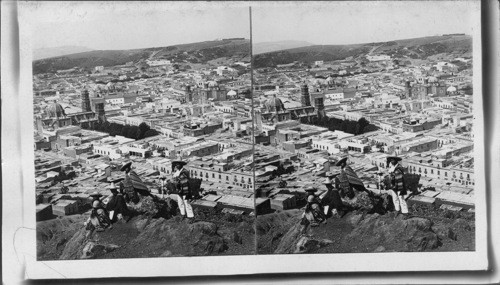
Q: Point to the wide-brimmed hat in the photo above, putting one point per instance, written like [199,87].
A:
[391,158]
[327,181]
[126,166]
[178,162]
[341,161]
[311,189]
[112,187]
[95,194]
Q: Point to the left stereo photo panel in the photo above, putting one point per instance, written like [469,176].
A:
[139,119]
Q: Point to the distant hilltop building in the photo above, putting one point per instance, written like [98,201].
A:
[158,62]
[378,57]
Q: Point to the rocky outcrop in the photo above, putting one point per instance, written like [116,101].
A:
[93,249]
[393,232]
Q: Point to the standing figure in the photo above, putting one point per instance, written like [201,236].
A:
[332,201]
[313,212]
[348,180]
[398,187]
[181,181]
[132,184]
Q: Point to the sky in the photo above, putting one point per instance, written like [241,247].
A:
[128,25]
[361,22]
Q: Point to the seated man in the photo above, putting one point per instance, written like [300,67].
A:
[116,205]
[332,200]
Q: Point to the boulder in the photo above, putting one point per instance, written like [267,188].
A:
[392,232]
[462,224]
[237,238]
[307,244]
[444,232]
[204,227]
[94,249]
[146,206]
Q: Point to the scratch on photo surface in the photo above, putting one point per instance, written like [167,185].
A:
[22,254]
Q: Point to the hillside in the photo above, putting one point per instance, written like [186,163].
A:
[361,231]
[42,53]
[200,52]
[417,48]
[265,47]
[154,231]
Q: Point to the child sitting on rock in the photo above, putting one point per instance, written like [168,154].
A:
[313,213]
[98,220]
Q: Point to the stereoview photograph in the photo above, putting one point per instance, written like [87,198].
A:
[282,128]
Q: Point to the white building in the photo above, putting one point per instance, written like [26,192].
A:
[378,57]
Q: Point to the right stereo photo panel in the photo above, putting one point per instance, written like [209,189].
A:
[364,127]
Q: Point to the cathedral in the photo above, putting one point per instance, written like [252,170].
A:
[55,117]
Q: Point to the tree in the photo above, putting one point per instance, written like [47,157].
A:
[132,132]
[143,128]
[150,133]
[125,130]
[362,123]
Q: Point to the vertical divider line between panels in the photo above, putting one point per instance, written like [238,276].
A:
[253,133]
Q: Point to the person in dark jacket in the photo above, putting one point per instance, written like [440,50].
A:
[398,187]
[348,180]
[132,184]
[332,201]
[116,205]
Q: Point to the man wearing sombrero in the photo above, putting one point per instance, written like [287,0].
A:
[132,183]
[396,172]
[181,181]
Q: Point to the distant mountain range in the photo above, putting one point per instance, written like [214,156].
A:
[420,48]
[265,47]
[201,52]
[42,53]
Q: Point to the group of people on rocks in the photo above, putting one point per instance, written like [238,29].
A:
[344,186]
[131,190]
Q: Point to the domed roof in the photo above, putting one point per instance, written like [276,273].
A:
[451,89]
[274,104]
[55,110]
[231,93]
[432,79]
[212,84]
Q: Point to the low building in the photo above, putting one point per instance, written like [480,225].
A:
[65,207]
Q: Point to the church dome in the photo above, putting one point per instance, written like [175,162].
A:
[274,104]
[55,111]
